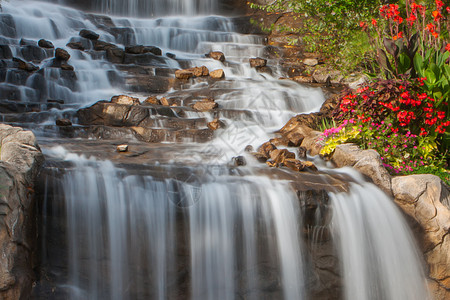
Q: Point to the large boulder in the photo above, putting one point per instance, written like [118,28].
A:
[19,165]
[425,198]
[368,162]
[89,34]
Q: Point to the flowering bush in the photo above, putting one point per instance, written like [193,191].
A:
[396,118]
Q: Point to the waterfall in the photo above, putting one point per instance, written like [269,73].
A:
[183,224]
[156,8]
[378,254]
[128,236]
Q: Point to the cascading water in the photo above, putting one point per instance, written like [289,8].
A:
[183,224]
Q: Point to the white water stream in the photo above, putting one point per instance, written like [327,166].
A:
[232,237]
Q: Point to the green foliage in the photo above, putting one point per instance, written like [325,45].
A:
[327,26]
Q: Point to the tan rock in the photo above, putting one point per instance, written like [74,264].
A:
[199,71]
[426,199]
[217,55]
[257,62]
[183,74]
[217,74]
[205,105]
[311,62]
[164,101]
[152,100]
[368,162]
[125,100]
[214,124]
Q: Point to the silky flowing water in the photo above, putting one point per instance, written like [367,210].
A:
[186,225]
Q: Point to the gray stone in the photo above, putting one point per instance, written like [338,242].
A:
[368,162]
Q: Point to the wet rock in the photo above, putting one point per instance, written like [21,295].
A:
[152,49]
[279,155]
[101,45]
[205,105]
[301,152]
[34,53]
[26,66]
[25,42]
[183,74]
[113,114]
[125,100]
[260,157]
[239,161]
[122,148]
[89,34]
[368,162]
[67,67]
[63,122]
[217,74]
[257,62]
[45,44]
[199,71]
[426,199]
[5,52]
[264,70]
[266,148]
[136,49]
[249,148]
[171,55]
[217,55]
[279,141]
[214,124]
[311,62]
[152,100]
[62,54]
[297,165]
[76,46]
[164,101]
[115,55]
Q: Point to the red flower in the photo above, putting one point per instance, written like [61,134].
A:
[447,47]
[439,4]
[423,132]
[436,15]
[374,22]
[363,25]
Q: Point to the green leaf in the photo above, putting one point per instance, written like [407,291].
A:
[419,65]
[384,61]
[404,63]
[431,77]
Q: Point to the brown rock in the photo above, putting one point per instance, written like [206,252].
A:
[63,122]
[101,45]
[205,105]
[217,55]
[76,46]
[23,65]
[279,142]
[62,54]
[297,165]
[152,100]
[45,44]
[249,148]
[199,71]
[239,161]
[115,55]
[67,67]
[272,164]
[183,74]
[301,151]
[302,79]
[257,62]
[260,157]
[279,155]
[214,124]
[266,148]
[164,101]
[89,34]
[217,74]
[125,100]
